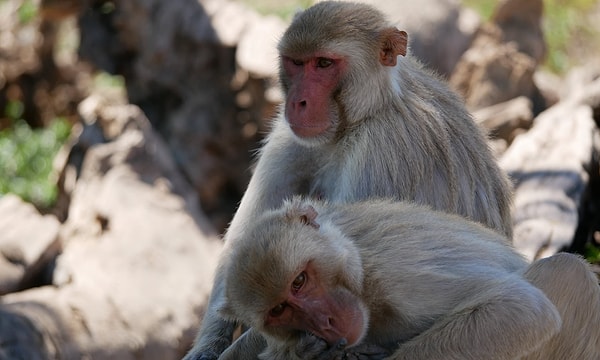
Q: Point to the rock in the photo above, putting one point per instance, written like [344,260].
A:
[230,19]
[521,23]
[29,74]
[577,81]
[502,120]
[178,60]
[493,71]
[138,257]
[21,337]
[28,243]
[548,167]
[549,86]
[588,228]
[257,50]
[11,273]
[501,62]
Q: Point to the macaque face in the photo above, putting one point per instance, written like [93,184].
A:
[293,275]
[308,304]
[312,81]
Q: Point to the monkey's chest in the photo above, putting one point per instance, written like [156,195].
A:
[342,181]
[332,184]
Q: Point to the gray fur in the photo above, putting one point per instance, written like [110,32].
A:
[401,134]
[436,286]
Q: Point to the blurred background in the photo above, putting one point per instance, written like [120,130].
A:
[128,129]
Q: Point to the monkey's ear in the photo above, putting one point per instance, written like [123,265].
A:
[393,43]
[305,213]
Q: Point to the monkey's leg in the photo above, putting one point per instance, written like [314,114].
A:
[503,321]
[568,282]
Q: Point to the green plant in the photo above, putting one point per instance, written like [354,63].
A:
[26,157]
[592,254]
[564,22]
[282,8]
[27,11]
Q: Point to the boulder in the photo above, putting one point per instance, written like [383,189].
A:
[28,243]
[505,120]
[492,71]
[138,259]
[548,166]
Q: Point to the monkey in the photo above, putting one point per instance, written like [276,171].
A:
[361,119]
[415,283]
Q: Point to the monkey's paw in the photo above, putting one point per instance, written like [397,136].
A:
[311,347]
[366,352]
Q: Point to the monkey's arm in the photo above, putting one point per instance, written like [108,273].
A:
[284,169]
[311,347]
[281,171]
[247,347]
[504,321]
[215,333]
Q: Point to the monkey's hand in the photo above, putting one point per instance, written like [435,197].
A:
[215,341]
[311,347]
[366,352]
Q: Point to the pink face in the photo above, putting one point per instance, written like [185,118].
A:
[308,305]
[310,108]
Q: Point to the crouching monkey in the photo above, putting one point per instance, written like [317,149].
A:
[385,280]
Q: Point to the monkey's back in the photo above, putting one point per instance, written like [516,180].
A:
[437,260]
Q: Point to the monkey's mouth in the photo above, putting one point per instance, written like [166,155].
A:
[339,334]
[341,343]
[308,131]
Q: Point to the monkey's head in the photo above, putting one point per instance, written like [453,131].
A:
[292,274]
[336,61]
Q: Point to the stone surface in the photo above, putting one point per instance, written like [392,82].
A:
[28,242]
[505,120]
[138,258]
[548,167]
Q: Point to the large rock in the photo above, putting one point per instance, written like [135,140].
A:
[501,62]
[137,264]
[548,166]
[493,71]
[30,75]
[521,24]
[28,243]
[506,120]
[181,71]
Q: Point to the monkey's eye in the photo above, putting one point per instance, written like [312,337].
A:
[299,282]
[277,311]
[297,62]
[324,62]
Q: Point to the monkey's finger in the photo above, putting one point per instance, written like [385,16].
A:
[310,347]
[367,352]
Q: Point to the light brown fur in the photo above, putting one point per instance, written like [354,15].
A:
[436,286]
[396,131]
